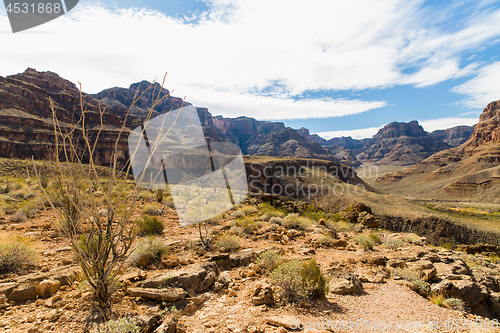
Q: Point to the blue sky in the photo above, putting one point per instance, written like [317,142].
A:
[335,67]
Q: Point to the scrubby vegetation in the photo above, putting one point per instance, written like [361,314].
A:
[299,281]
[228,243]
[150,225]
[269,260]
[16,254]
[294,221]
[122,325]
[151,247]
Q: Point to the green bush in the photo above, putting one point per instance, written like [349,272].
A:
[269,260]
[122,325]
[238,214]
[395,243]
[417,284]
[272,214]
[375,238]
[150,225]
[455,304]
[365,241]
[276,220]
[150,246]
[325,241]
[287,277]
[228,243]
[248,225]
[316,285]
[235,230]
[314,213]
[249,210]
[15,254]
[151,210]
[293,221]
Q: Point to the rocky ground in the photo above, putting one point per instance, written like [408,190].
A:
[193,290]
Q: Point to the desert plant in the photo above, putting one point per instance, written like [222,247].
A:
[249,210]
[437,299]
[269,215]
[122,325]
[273,227]
[16,253]
[276,220]
[287,277]
[235,230]
[248,225]
[99,197]
[375,238]
[417,284]
[150,225]
[454,304]
[228,243]
[159,195]
[151,246]
[293,221]
[20,216]
[315,283]
[365,241]
[494,259]
[238,214]
[413,239]
[315,213]
[325,241]
[269,260]
[151,210]
[6,188]
[394,243]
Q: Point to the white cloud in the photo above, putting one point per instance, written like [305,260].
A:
[482,89]
[240,48]
[444,123]
[231,104]
[355,134]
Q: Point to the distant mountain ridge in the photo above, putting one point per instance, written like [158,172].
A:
[264,138]
[471,169]
[400,143]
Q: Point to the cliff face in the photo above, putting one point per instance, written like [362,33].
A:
[253,136]
[26,117]
[487,131]
[454,136]
[400,143]
[471,169]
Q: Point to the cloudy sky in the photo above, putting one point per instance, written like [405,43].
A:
[335,67]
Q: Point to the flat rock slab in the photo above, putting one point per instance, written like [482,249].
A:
[198,277]
[162,295]
[287,322]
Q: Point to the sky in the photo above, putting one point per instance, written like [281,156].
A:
[338,68]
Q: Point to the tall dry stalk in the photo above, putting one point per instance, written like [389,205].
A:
[95,206]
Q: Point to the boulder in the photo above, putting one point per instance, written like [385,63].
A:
[170,261]
[263,294]
[466,290]
[348,284]
[23,292]
[47,288]
[6,288]
[161,295]
[368,220]
[374,259]
[198,277]
[148,323]
[169,325]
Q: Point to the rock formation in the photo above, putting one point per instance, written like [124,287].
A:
[471,169]
[400,143]
[454,136]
